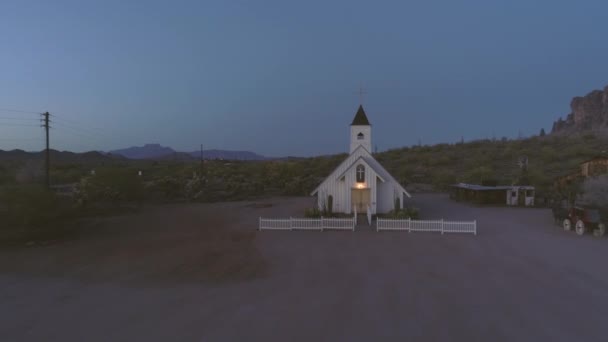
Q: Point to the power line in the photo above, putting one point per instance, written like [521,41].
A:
[85,130]
[59,123]
[18,119]
[64,119]
[22,139]
[75,124]
[17,124]
[19,111]
[72,130]
[72,126]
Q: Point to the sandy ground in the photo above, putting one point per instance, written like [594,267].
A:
[139,278]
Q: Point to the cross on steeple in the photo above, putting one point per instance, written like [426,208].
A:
[361,92]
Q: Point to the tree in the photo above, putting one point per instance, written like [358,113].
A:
[542,132]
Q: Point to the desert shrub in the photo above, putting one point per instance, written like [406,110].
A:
[479,174]
[442,179]
[6,175]
[313,212]
[166,186]
[68,173]
[113,185]
[29,205]
[31,212]
[405,213]
[194,187]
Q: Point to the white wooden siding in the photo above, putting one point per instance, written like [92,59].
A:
[385,197]
[382,193]
[365,142]
[341,189]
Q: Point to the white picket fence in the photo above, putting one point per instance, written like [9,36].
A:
[308,224]
[440,226]
[275,224]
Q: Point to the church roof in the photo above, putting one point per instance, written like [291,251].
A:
[360,153]
[360,118]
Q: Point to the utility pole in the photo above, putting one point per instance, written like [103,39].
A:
[202,161]
[45,119]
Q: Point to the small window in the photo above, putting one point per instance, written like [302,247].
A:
[360,136]
[360,174]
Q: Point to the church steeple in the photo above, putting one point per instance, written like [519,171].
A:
[360,131]
[360,118]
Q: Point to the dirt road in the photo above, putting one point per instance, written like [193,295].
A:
[520,279]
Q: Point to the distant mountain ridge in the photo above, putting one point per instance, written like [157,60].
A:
[231,155]
[156,151]
[588,113]
[148,151]
[58,156]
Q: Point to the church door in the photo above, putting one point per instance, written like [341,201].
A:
[361,198]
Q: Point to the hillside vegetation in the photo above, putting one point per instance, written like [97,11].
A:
[116,184]
[473,162]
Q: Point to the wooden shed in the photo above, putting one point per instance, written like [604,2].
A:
[513,195]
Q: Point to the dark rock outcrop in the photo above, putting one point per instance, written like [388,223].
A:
[589,113]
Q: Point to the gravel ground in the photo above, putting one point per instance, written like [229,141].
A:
[520,279]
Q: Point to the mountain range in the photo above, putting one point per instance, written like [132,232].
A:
[156,151]
[146,152]
[58,156]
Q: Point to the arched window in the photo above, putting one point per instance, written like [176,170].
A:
[360,174]
[360,136]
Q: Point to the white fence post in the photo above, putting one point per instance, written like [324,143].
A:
[290,223]
[475,225]
[322,223]
[441,226]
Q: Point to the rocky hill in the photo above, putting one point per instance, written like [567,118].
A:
[148,151]
[588,113]
[156,151]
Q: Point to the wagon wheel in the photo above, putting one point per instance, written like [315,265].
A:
[567,224]
[600,231]
[580,227]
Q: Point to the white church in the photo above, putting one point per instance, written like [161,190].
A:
[360,181]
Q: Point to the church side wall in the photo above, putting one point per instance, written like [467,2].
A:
[340,193]
[385,197]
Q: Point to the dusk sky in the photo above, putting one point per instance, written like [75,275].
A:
[280,77]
